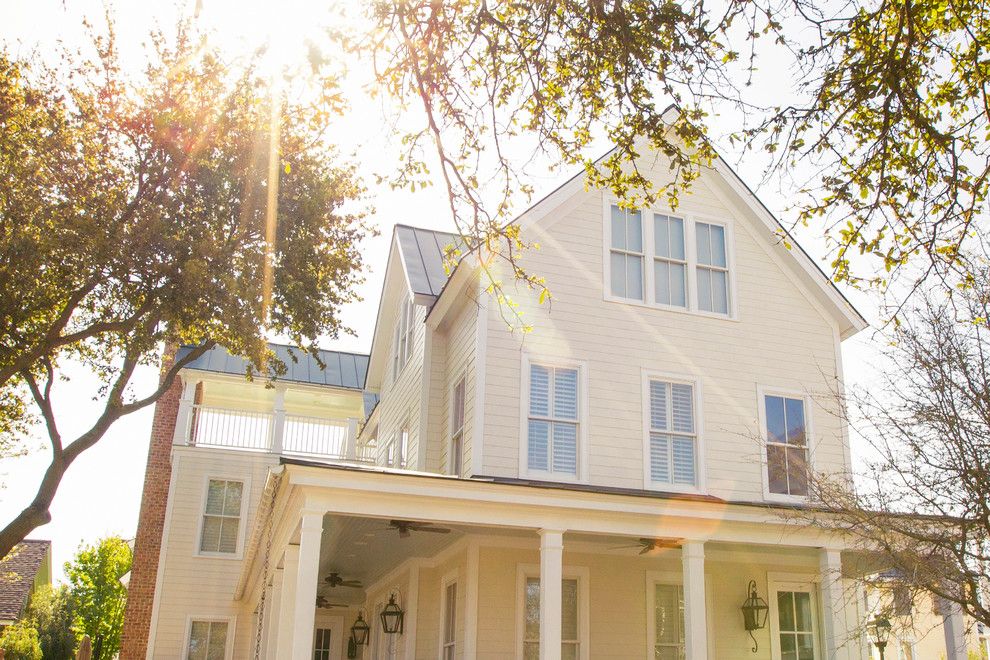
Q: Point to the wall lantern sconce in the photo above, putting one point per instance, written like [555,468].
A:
[360,630]
[351,649]
[880,631]
[755,611]
[392,617]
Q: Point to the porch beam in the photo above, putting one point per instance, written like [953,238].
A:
[551,575]
[695,615]
[307,578]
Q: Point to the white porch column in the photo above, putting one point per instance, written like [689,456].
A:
[286,607]
[551,575]
[278,421]
[954,627]
[833,604]
[307,579]
[272,605]
[695,616]
[184,419]
[350,449]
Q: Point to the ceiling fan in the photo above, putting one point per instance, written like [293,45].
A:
[650,545]
[324,604]
[406,526]
[334,580]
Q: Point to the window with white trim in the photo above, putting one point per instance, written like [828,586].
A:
[221,517]
[787,445]
[321,649]
[712,269]
[796,625]
[402,340]
[668,260]
[673,436]
[457,429]
[449,642]
[553,422]
[207,640]
[570,633]
[626,253]
[668,621]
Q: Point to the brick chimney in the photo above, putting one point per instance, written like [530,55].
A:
[151,520]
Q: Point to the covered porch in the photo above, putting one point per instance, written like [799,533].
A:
[481,569]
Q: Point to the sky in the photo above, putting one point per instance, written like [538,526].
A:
[100,494]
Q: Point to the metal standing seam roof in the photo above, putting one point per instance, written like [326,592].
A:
[17,575]
[347,370]
[422,253]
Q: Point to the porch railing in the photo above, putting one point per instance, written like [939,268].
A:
[276,432]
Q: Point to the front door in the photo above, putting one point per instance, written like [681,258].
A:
[794,631]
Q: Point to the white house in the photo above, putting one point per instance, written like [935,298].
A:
[610,485]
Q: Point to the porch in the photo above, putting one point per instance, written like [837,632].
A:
[488,570]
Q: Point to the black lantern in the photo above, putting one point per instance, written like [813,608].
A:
[392,617]
[755,611]
[360,630]
[880,631]
[351,649]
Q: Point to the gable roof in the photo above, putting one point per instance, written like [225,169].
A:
[17,576]
[347,370]
[422,254]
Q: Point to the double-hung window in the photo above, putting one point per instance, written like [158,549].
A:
[322,647]
[668,621]
[207,640]
[668,261]
[402,340]
[457,429]
[626,253]
[796,627]
[553,420]
[787,445]
[673,439]
[222,517]
[449,642]
[570,620]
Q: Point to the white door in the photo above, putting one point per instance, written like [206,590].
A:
[794,630]
[329,642]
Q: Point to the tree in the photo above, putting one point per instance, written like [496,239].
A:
[885,118]
[20,642]
[920,504]
[52,613]
[98,595]
[188,205]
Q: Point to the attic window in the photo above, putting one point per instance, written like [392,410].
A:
[402,342]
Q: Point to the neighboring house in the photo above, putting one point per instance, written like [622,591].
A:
[606,486]
[26,568]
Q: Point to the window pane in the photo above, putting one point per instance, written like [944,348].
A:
[565,448]
[618,274]
[228,534]
[668,653]
[661,280]
[717,234]
[678,285]
[218,641]
[565,394]
[569,610]
[568,651]
[658,405]
[531,651]
[215,497]
[806,647]
[775,419]
[795,422]
[788,647]
[682,450]
[661,235]
[797,470]
[776,469]
[703,241]
[198,639]
[704,289]
[668,612]
[802,606]
[539,391]
[682,407]
[634,277]
[677,238]
[720,291]
[785,609]
[210,538]
[539,441]
[451,612]
[634,231]
[533,609]
[232,502]
[660,457]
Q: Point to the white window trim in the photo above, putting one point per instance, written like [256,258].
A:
[794,582]
[690,251]
[451,431]
[446,581]
[701,486]
[242,525]
[228,647]
[582,450]
[580,573]
[654,578]
[762,392]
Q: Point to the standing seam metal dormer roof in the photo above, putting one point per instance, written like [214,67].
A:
[422,252]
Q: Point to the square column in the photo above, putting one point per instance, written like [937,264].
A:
[307,580]
[834,603]
[695,615]
[272,605]
[286,603]
[551,575]
[954,627]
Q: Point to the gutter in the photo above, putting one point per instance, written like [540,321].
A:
[265,511]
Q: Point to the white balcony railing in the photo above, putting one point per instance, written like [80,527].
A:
[276,432]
